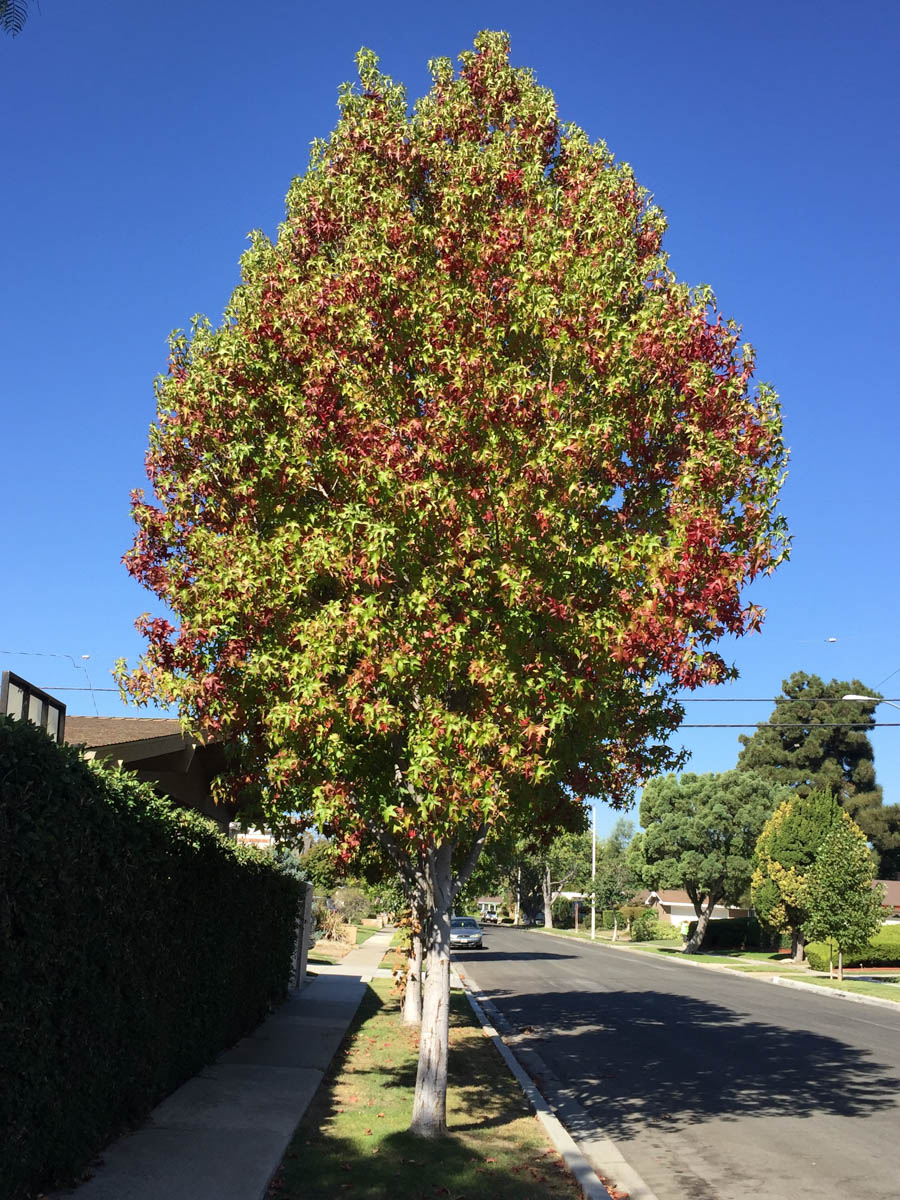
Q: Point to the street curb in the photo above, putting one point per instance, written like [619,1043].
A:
[838,993]
[760,976]
[586,1177]
[627,1179]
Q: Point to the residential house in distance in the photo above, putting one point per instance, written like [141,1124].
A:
[891,900]
[674,905]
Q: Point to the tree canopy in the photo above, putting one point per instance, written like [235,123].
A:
[700,833]
[785,852]
[841,905]
[13,15]
[462,489]
[615,881]
[815,741]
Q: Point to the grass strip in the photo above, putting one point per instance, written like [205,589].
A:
[353,1140]
[761,962]
[858,987]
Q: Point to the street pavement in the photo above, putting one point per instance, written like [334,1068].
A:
[714,1085]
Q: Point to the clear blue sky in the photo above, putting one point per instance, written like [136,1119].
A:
[141,143]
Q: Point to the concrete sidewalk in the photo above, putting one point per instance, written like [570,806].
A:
[222,1135]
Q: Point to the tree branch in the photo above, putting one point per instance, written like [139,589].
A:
[471,859]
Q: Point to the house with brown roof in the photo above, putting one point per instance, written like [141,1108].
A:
[158,752]
[675,905]
[891,899]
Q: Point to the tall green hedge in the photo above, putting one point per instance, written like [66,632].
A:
[135,943]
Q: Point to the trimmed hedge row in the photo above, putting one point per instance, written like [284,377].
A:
[883,950]
[739,933]
[135,944]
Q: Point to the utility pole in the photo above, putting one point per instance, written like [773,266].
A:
[594,873]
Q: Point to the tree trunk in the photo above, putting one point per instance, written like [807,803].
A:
[840,965]
[429,1117]
[412,997]
[798,945]
[548,900]
[615,937]
[703,915]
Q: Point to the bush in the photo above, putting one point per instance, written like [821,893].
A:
[649,928]
[136,943]
[563,913]
[352,903]
[629,913]
[883,950]
[738,933]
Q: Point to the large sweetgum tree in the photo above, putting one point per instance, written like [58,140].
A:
[463,487]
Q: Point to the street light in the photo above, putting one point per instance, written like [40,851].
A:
[872,700]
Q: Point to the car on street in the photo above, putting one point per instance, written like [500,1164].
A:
[465,934]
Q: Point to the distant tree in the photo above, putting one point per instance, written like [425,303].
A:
[565,866]
[814,741]
[616,881]
[785,852]
[842,906]
[323,866]
[700,832]
[13,15]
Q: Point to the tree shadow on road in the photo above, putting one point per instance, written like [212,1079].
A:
[651,1057]
[488,955]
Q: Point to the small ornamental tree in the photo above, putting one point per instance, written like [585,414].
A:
[615,881]
[785,852]
[462,489]
[700,832]
[842,906]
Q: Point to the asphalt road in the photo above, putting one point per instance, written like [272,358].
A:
[714,1086]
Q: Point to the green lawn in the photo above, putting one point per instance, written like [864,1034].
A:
[363,933]
[757,962]
[353,1140]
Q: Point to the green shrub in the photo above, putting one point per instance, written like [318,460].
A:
[629,913]
[608,919]
[352,903]
[738,933]
[563,913]
[649,928]
[882,951]
[136,943]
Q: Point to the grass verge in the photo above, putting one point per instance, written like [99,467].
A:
[354,1142]
[756,962]
[363,933]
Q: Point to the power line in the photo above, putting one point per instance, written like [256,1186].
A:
[49,687]
[799,725]
[773,700]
